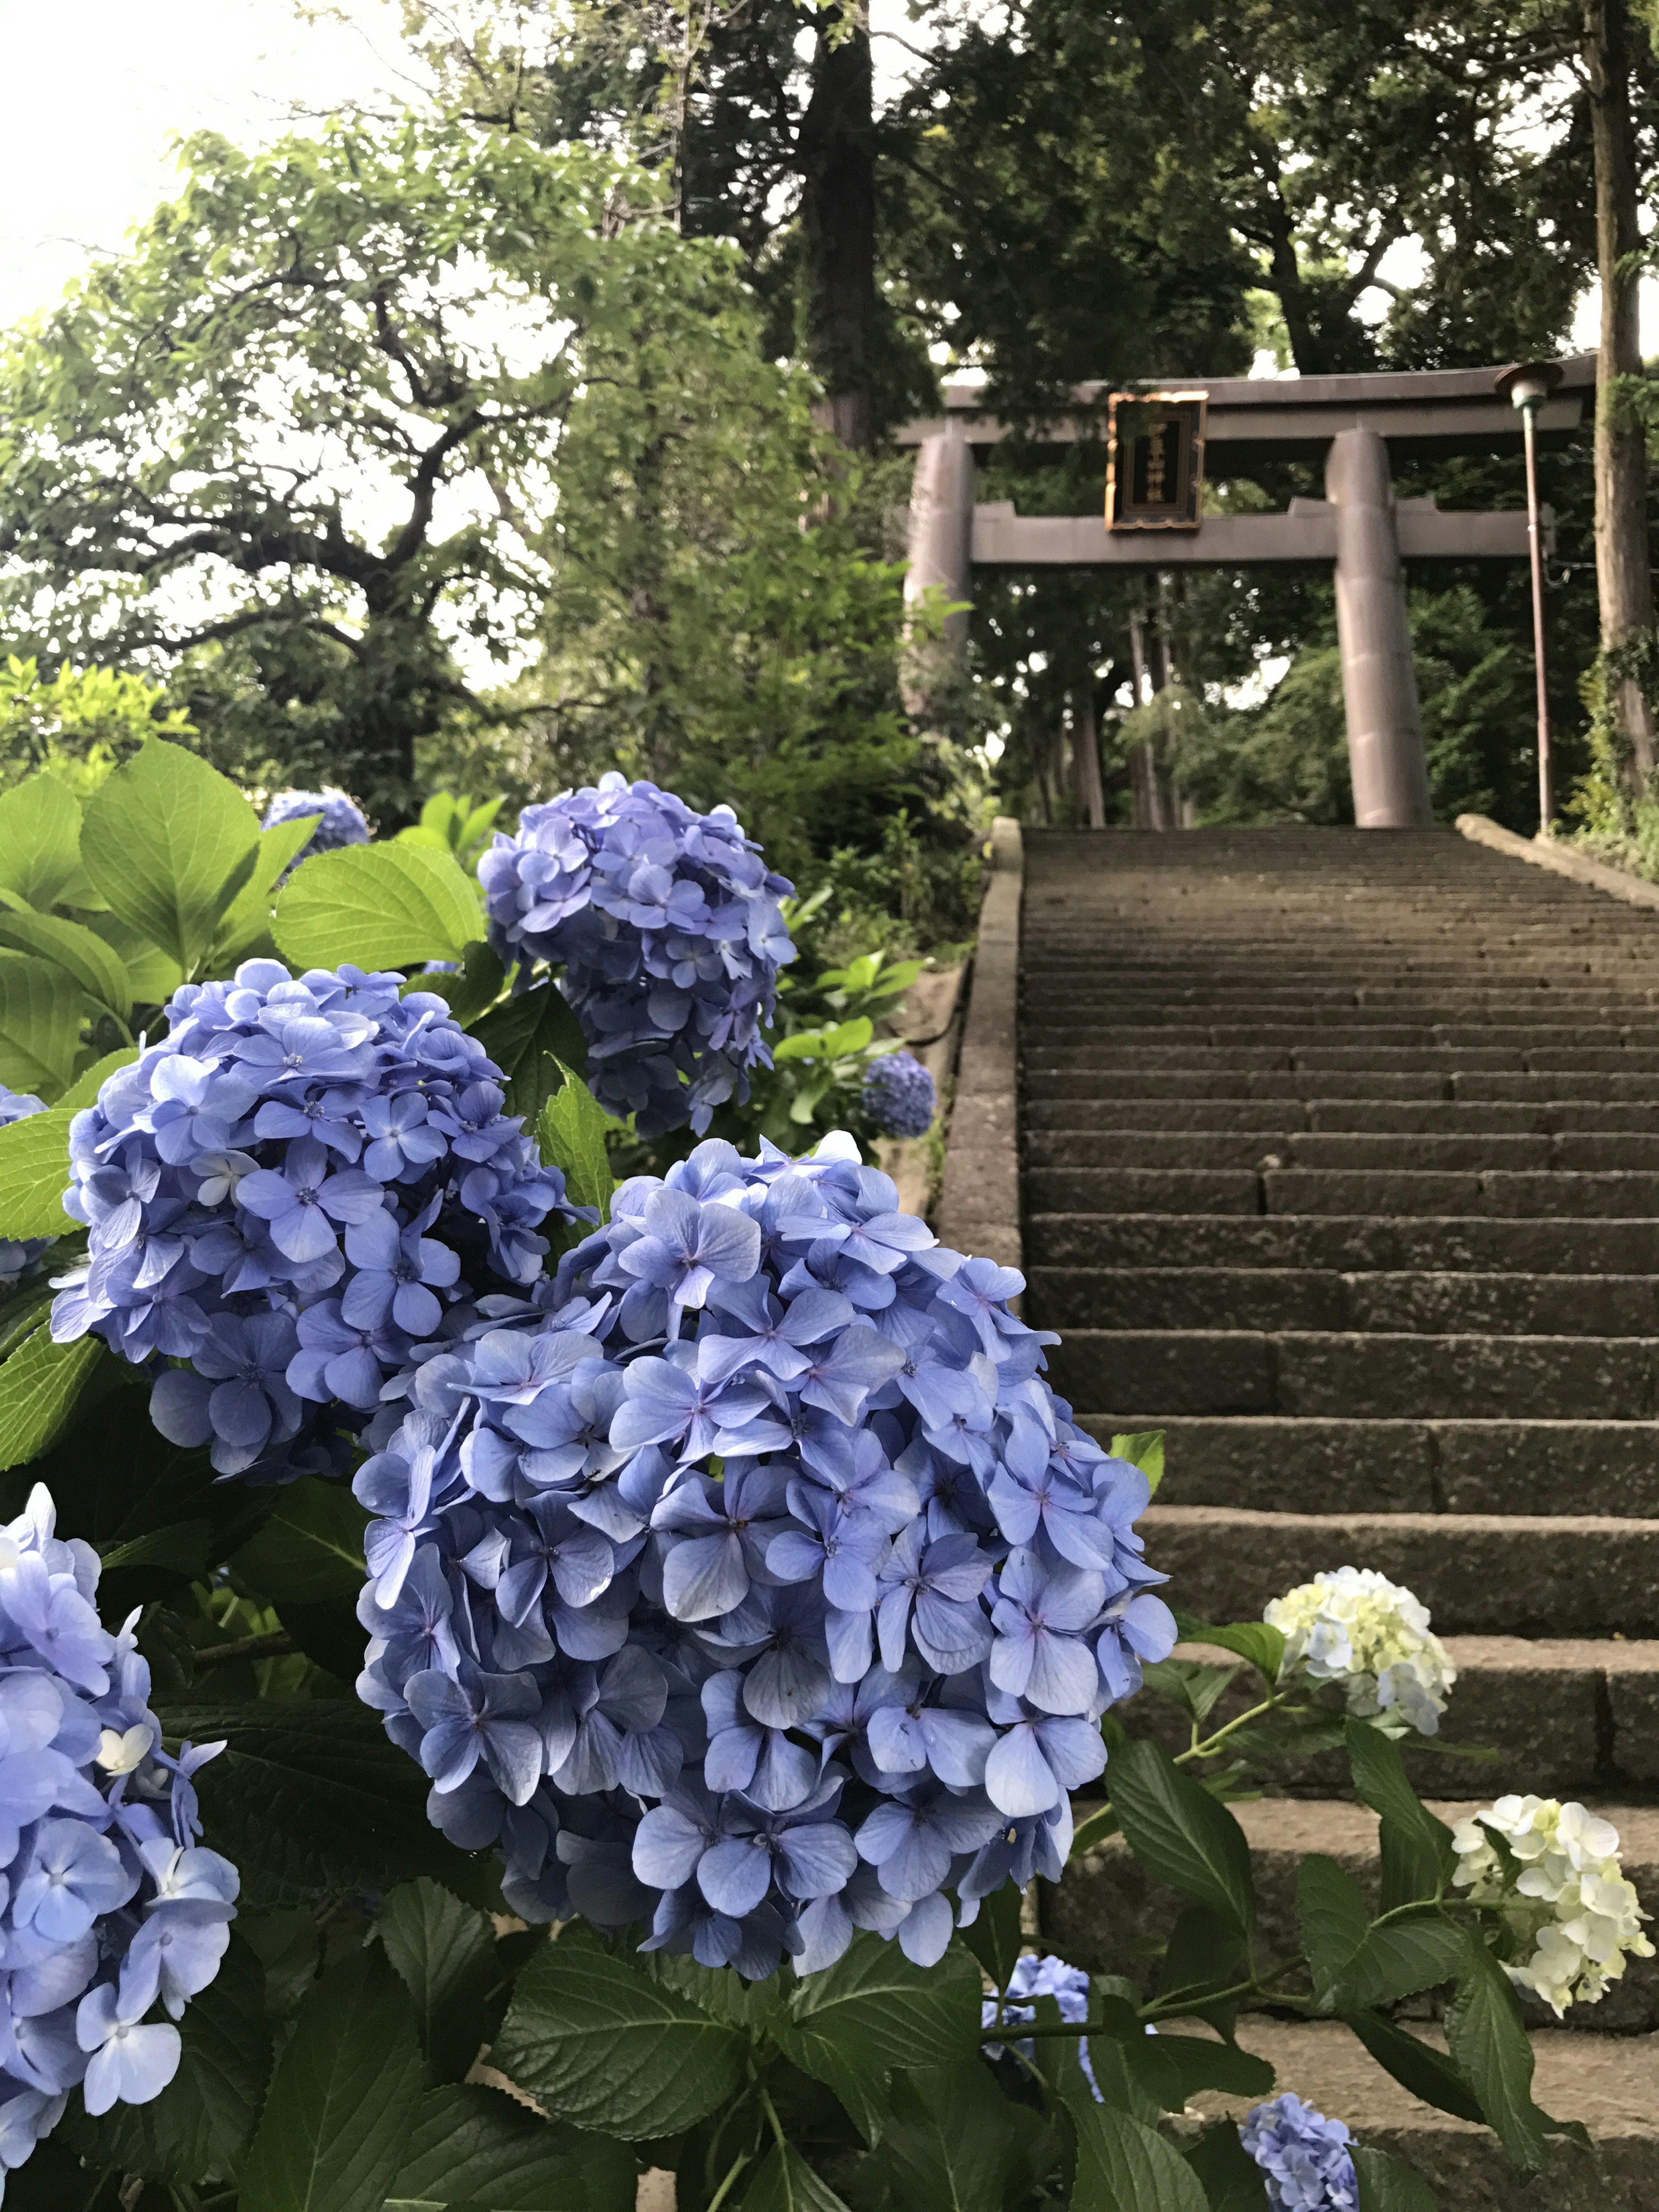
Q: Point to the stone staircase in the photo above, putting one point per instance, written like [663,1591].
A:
[1341,1158]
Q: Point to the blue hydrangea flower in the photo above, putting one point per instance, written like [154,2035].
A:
[20,1255]
[1304,2156]
[899,1094]
[746,1579]
[1041,1976]
[285,1195]
[114,1913]
[342,821]
[667,928]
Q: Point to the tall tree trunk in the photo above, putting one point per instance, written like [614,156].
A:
[837,156]
[1624,580]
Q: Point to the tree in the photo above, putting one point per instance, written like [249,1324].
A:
[316,416]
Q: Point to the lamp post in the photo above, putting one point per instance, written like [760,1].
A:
[1527,386]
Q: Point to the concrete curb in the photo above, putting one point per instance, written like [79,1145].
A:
[979,1206]
[1559,860]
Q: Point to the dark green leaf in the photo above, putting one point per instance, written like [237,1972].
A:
[169,843]
[309,1796]
[1123,2166]
[1204,1952]
[381,906]
[1230,2178]
[570,1135]
[22,1313]
[873,2011]
[1410,1866]
[445,1955]
[40,1384]
[1399,1960]
[1332,1916]
[41,1010]
[39,840]
[784,2182]
[1427,2073]
[952,2143]
[52,2180]
[1254,1640]
[1179,1832]
[605,2047]
[531,1038]
[343,2102]
[84,957]
[721,1992]
[180,1549]
[1142,1447]
[995,1938]
[1189,1683]
[35,1173]
[1175,2068]
[310,1549]
[1489,2046]
[1387,2183]
[476,2147]
[1379,1779]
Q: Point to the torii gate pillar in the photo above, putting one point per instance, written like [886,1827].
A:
[1379,685]
[941,537]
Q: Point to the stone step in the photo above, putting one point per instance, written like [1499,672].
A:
[1271,1463]
[1398,1243]
[1107,1902]
[1404,1117]
[1422,1303]
[1480,1574]
[1573,1151]
[1397,1376]
[1130,1084]
[1107,1051]
[1543,1195]
[1385,1038]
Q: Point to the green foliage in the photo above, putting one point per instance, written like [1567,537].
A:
[78,722]
[381,906]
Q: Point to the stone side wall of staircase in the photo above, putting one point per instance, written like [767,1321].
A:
[1341,1159]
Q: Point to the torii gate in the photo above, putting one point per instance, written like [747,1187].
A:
[1359,526]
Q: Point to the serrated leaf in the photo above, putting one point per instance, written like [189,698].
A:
[605,2047]
[170,843]
[1253,1640]
[41,1011]
[473,989]
[82,955]
[444,1952]
[40,1386]
[1387,2183]
[1380,1781]
[179,1547]
[35,1173]
[1332,1917]
[1417,2067]
[1176,2068]
[1399,1960]
[570,1135]
[39,840]
[1192,1684]
[1229,2178]
[1142,1447]
[783,2182]
[153,974]
[248,923]
[84,1090]
[1204,1952]
[1179,1832]
[343,2102]
[952,2144]
[1410,1866]
[995,1937]
[310,1549]
[380,906]
[1123,2166]
[1490,2048]
[309,1796]
[872,2012]
[476,2146]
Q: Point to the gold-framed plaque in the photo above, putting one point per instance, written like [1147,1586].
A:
[1155,460]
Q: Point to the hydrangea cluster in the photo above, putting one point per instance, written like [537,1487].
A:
[756,1587]
[1044,1976]
[112,1907]
[1373,1636]
[342,821]
[899,1094]
[20,1255]
[667,926]
[283,1194]
[1305,2157]
[1562,1890]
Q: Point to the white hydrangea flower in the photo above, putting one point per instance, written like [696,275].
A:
[1358,1628]
[1569,1900]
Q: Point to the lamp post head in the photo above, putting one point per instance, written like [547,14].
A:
[1528,382]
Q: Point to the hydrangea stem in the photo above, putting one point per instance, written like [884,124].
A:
[1103,1821]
